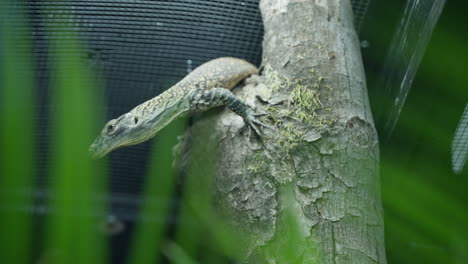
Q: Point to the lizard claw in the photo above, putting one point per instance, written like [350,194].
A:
[260,114]
[252,121]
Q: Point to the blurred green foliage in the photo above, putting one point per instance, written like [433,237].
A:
[17,151]
[72,234]
[149,235]
[425,202]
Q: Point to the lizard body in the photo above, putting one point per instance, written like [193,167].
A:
[205,87]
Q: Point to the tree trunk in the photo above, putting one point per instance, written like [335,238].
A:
[323,147]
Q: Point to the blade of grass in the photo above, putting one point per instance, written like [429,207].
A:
[158,190]
[75,180]
[289,244]
[200,223]
[16,135]
[189,230]
[177,255]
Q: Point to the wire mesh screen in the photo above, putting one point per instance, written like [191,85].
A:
[140,48]
[360,10]
[460,144]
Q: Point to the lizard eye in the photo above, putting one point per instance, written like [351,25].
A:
[135,120]
[110,128]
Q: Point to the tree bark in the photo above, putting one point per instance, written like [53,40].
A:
[323,147]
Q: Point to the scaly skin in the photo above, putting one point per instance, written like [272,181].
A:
[204,88]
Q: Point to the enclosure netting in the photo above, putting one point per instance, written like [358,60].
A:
[460,144]
[140,48]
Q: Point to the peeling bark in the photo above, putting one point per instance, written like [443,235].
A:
[324,145]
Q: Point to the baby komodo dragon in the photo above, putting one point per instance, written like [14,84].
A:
[204,88]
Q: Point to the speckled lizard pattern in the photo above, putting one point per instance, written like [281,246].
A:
[205,87]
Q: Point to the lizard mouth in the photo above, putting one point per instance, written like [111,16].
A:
[105,144]
[96,150]
[95,153]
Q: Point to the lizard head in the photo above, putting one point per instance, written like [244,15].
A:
[140,124]
[126,130]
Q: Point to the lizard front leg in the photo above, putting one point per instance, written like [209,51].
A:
[202,100]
